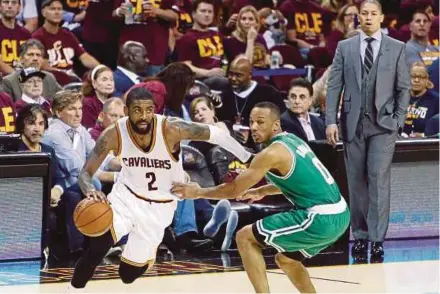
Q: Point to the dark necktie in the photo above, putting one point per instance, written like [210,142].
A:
[369,57]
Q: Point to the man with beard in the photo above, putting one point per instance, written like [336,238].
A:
[149,147]
[320,216]
[243,93]
[32,121]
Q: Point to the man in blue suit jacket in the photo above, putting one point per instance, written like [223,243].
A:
[132,63]
[297,119]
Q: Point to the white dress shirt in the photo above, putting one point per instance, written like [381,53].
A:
[307,127]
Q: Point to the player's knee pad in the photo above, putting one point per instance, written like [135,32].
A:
[129,273]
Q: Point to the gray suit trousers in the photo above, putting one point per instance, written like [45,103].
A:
[368,160]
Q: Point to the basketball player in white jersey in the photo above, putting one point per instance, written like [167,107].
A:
[142,204]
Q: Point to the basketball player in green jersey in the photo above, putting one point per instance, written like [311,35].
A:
[320,216]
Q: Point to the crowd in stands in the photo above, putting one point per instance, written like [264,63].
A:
[65,67]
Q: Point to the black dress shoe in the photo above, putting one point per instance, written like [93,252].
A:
[360,247]
[376,250]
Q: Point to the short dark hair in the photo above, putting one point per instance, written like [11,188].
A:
[196,4]
[28,114]
[138,93]
[274,109]
[420,11]
[29,44]
[303,83]
[375,2]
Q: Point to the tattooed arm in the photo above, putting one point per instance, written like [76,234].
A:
[178,130]
[106,142]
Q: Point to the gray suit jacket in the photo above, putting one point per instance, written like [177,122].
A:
[392,85]
[12,86]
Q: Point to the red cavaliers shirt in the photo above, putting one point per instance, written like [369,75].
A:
[153,33]
[203,49]
[99,25]
[61,47]
[92,106]
[10,41]
[308,19]
[7,114]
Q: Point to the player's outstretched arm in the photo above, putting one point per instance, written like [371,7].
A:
[259,193]
[106,142]
[178,130]
[263,162]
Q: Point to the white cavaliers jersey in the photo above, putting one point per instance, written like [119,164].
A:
[148,174]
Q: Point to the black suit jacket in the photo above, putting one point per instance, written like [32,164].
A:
[291,124]
[261,93]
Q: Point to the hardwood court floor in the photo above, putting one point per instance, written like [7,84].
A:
[408,277]
[409,267]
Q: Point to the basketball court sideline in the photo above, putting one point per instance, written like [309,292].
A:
[410,266]
[407,277]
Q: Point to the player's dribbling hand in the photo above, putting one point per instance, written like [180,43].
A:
[98,196]
[185,191]
[252,195]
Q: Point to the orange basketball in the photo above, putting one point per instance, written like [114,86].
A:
[93,218]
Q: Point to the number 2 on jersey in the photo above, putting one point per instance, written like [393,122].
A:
[152,177]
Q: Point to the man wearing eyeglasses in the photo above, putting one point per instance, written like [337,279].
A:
[31,81]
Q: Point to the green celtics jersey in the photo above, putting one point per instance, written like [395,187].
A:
[308,182]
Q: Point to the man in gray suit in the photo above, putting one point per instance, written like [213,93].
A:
[31,55]
[372,71]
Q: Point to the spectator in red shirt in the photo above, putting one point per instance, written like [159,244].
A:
[112,110]
[97,88]
[60,44]
[149,23]
[7,114]
[31,80]
[11,35]
[308,23]
[344,25]
[237,5]
[100,32]
[202,48]
[246,39]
